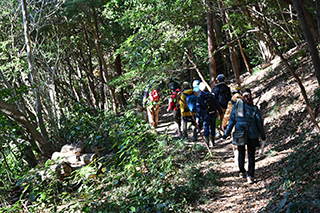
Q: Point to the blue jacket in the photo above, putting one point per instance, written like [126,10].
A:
[241,123]
[202,109]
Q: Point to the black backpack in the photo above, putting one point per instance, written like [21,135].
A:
[210,105]
[224,96]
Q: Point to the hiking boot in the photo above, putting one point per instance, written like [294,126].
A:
[242,174]
[250,179]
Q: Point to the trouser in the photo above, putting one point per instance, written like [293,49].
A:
[251,159]
[177,120]
[153,113]
[185,121]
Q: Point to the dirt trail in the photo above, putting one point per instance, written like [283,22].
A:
[278,97]
[235,194]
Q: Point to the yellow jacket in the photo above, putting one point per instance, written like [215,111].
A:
[183,102]
[227,113]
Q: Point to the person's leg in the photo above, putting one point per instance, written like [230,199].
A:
[236,154]
[156,114]
[212,129]
[194,130]
[184,127]
[251,159]
[241,159]
[177,121]
[150,113]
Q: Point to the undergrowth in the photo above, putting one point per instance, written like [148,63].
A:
[297,188]
[140,171]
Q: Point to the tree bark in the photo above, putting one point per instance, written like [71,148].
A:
[233,55]
[44,146]
[318,15]
[211,47]
[309,38]
[31,76]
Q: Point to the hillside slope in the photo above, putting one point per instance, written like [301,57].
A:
[288,127]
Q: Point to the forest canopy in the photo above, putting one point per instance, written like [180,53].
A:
[75,70]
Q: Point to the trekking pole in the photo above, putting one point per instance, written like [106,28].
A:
[197,128]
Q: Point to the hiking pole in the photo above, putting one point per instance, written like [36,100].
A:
[197,128]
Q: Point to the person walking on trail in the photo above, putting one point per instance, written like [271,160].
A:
[187,103]
[246,116]
[222,92]
[236,96]
[151,103]
[207,106]
[174,106]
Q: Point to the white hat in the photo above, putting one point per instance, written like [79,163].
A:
[202,86]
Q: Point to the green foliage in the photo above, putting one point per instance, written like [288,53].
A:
[139,174]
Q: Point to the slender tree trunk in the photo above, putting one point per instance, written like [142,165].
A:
[118,73]
[90,69]
[318,15]
[31,76]
[309,38]
[96,41]
[296,77]
[219,37]
[233,55]
[211,47]
[44,146]
[243,55]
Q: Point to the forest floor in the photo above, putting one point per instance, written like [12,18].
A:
[286,117]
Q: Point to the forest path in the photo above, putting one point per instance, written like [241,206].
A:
[285,115]
[234,193]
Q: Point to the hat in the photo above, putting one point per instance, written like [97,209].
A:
[221,78]
[195,83]
[202,86]
[185,85]
[196,88]
[237,88]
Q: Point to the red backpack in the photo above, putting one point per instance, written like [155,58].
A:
[154,95]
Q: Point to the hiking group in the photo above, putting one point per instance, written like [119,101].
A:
[207,111]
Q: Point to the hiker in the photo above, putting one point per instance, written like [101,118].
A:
[151,103]
[245,116]
[174,106]
[236,96]
[207,106]
[195,85]
[222,92]
[187,102]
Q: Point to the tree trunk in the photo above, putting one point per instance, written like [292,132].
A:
[309,38]
[244,56]
[31,76]
[318,15]
[45,147]
[118,72]
[233,55]
[296,77]
[211,47]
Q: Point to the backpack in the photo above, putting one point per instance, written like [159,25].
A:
[224,97]
[210,105]
[154,95]
[191,102]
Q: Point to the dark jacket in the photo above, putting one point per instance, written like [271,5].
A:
[241,123]
[202,109]
[219,90]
